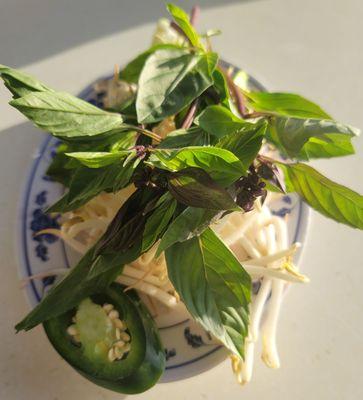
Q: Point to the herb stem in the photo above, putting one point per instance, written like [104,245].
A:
[194,15]
[236,93]
[151,134]
[145,132]
[177,28]
[188,120]
[255,114]
[269,159]
[116,72]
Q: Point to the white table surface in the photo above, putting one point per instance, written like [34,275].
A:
[313,47]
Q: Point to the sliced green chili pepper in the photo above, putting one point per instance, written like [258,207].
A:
[112,340]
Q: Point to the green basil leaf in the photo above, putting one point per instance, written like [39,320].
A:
[188,224]
[245,144]
[311,138]
[272,177]
[124,176]
[158,221]
[222,165]
[132,71]
[171,80]
[210,33]
[182,19]
[221,86]
[219,121]
[60,169]
[124,141]
[195,188]
[109,141]
[20,83]
[331,145]
[87,183]
[127,226]
[66,116]
[325,196]
[212,62]
[89,276]
[289,104]
[193,136]
[99,159]
[214,287]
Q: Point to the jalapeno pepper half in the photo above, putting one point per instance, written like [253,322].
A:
[111,339]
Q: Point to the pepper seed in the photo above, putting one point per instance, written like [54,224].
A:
[113,314]
[72,330]
[125,336]
[119,324]
[120,344]
[111,354]
[118,353]
[107,307]
[118,334]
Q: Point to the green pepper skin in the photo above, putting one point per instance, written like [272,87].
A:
[145,362]
[151,368]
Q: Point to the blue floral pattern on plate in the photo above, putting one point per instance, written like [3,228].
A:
[41,221]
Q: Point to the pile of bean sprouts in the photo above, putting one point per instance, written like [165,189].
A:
[258,239]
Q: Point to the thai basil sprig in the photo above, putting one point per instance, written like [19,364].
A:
[210,165]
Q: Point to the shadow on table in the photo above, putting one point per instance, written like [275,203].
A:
[18,146]
[30,368]
[40,28]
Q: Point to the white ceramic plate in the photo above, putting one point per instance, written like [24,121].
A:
[189,349]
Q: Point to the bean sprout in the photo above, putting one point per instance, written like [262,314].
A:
[258,239]
[148,289]
[274,269]
[45,274]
